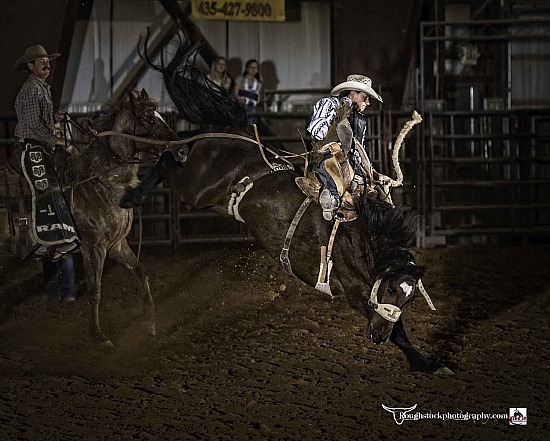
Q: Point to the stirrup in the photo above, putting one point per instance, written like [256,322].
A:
[345,214]
[347,211]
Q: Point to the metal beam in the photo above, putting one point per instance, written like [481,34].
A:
[189,28]
[153,49]
[181,22]
[64,47]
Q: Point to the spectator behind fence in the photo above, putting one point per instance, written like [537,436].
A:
[218,73]
[248,87]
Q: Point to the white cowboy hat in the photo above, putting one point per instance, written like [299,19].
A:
[357,82]
[32,53]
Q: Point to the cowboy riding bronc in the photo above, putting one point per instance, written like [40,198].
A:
[50,227]
[338,129]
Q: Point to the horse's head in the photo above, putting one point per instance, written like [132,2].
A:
[396,277]
[138,116]
[392,291]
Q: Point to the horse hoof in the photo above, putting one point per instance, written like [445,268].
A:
[153,329]
[444,371]
[108,344]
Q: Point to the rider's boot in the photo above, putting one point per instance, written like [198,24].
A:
[329,204]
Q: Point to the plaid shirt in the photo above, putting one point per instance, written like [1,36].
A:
[35,115]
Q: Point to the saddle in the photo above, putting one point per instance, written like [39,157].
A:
[49,231]
[337,165]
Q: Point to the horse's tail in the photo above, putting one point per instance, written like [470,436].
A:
[198,99]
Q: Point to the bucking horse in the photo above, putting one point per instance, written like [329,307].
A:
[367,261]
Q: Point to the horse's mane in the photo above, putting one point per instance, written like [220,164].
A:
[110,110]
[198,99]
[106,118]
[395,230]
[398,226]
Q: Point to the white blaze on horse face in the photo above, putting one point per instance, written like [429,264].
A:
[407,288]
[159,116]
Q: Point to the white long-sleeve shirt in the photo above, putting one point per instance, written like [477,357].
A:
[324,112]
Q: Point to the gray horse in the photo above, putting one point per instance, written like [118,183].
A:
[99,175]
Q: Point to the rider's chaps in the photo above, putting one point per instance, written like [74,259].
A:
[51,227]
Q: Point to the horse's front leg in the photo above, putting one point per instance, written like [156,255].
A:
[416,360]
[94,260]
[123,255]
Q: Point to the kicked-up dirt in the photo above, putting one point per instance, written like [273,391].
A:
[245,352]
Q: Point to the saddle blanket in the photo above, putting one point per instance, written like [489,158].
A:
[51,221]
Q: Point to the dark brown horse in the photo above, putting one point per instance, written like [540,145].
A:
[365,260]
[99,176]
[370,264]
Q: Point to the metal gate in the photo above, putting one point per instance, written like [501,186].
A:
[473,177]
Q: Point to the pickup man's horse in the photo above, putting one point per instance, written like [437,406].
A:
[368,261]
[99,176]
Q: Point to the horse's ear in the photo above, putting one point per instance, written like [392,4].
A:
[144,95]
[133,96]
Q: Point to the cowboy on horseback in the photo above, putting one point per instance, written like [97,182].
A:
[51,227]
[338,128]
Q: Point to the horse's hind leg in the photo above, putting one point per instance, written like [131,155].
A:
[416,360]
[124,256]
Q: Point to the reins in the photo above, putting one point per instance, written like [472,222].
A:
[262,147]
[167,143]
[256,141]
[375,177]
[118,158]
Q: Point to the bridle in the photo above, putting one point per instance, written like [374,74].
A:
[133,137]
[391,312]
[140,119]
[386,310]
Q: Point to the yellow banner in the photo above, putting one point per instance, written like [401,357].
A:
[252,10]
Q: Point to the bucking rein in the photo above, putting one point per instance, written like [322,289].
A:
[387,311]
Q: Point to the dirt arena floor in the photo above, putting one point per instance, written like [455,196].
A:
[244,352]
